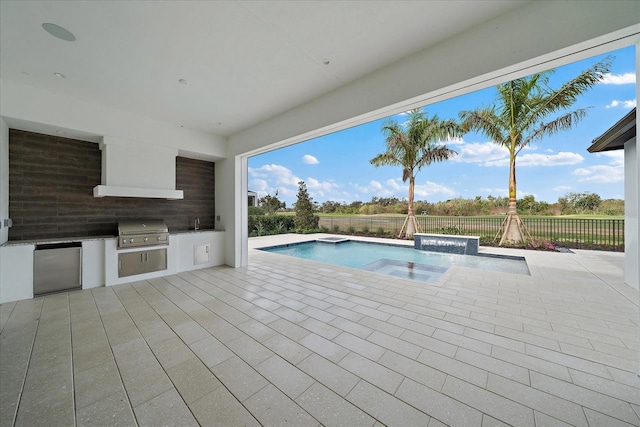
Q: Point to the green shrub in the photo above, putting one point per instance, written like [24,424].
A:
[351,230]
[270,224]
[255,210]
[336,228]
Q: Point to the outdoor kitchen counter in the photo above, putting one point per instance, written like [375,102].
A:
[188,250]
[89,238]
[54,240]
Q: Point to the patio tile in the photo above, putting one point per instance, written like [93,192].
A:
[190,332]
[600,419]
[587,398]
[240,378]
[532,363]
[490,364]
[250,350]
[489,403]
[547,421]
[171,352]
[430,343]
[386,408]
[454,367]
[192,379]
[461,350]
[351,327]
[332,376]
[221,408]
[462,341]
[553,406]
[447,410]
[86,392]
[154,412]
[321,328]
[358,345]
[211,351]
[375,373]
[272,407]
[286,348]
[113,410]
[605,386]
[410,368]
[285,376]
[318,398]
[324,347]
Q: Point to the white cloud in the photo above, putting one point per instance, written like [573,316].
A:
[600,174]
[628,104]
[562,188]
[431,188]
[616,157]
[476,152]
[618,79]
[560,159]
[258,185]
[495,191]
[375,185]
[397,184]
[275,174]
[314,184]
[309,159]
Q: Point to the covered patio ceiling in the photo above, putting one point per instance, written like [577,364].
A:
[219,66]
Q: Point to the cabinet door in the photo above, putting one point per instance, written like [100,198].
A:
[155,260]
[130,263]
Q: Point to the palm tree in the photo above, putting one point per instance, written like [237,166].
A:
[413,145]
[517,118]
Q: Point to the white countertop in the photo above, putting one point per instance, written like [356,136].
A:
[89,238]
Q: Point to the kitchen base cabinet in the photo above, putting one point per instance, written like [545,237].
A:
[132,263]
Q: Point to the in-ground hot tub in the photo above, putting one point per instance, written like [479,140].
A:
[452,244]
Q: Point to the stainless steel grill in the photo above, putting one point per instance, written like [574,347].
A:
[140,233]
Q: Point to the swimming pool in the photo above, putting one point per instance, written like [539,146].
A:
[395,260]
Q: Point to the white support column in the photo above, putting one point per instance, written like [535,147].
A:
[231,208]
[632,213]
[4,180]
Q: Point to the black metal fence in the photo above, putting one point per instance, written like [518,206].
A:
[606,234]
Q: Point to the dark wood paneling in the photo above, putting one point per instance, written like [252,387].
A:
[51,182]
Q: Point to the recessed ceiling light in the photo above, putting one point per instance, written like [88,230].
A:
[62,76]
[58,32]
[183,82]
[326,61]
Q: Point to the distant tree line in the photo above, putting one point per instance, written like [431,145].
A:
[569,204]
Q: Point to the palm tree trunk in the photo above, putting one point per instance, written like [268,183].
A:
[514,229]
[411,223]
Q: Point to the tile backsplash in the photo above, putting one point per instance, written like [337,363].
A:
[51,182]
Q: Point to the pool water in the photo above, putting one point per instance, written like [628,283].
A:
[395,260]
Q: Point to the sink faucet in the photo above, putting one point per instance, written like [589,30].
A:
[196,224]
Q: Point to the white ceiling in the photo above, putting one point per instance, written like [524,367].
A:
[245,61]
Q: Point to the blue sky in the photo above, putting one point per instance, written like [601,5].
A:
[336,167]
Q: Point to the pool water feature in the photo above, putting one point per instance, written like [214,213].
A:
[396,260]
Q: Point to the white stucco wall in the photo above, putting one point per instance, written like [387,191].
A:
[30,104]
[4,180]
[631,209]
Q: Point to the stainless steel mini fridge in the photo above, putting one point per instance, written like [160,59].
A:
[57,267]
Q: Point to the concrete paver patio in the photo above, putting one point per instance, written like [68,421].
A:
[295,342]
